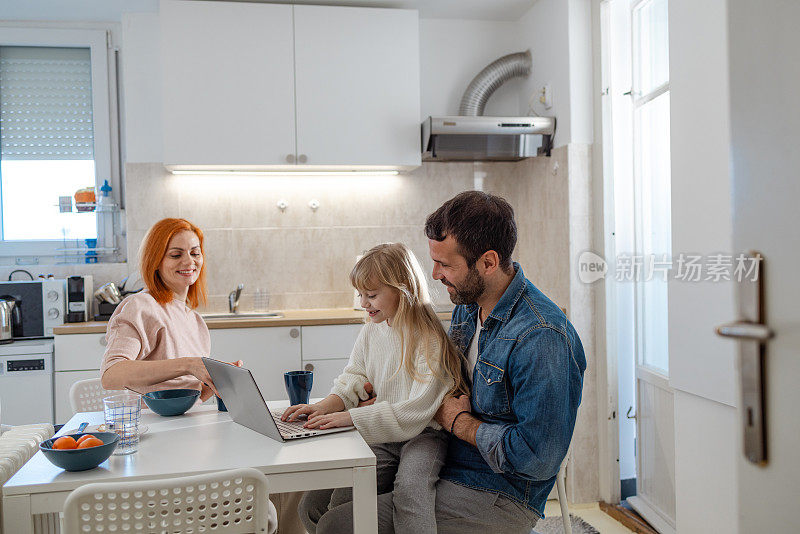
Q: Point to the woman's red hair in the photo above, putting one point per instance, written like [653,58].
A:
[154,247]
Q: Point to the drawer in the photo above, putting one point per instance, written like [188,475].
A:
[79,352]
[329,342]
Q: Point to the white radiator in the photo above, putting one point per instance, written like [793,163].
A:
[46,524]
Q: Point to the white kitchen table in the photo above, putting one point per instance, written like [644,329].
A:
[203,440]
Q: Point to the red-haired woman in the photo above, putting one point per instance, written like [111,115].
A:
[155,339]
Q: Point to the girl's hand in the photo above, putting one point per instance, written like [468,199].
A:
[331,420]
[292,413]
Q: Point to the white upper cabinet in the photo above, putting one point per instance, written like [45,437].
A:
[357,86]
[228,83]
[268,85]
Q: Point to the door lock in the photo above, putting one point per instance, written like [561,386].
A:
[752,335]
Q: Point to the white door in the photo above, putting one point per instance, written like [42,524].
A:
[228,83]
[357,86]
[765,121]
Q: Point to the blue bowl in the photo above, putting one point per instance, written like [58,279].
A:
[80,459]
[169,402]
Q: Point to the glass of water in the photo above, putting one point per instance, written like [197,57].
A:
[122,413]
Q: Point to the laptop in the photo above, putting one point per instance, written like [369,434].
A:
[244,401]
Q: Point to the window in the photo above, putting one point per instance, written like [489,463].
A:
[651,173]
[56,133]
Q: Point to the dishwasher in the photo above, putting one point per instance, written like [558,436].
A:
[26,382]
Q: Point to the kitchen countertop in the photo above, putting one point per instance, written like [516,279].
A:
[290,318]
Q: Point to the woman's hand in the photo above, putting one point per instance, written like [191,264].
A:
[196,368]
[206,391]
[331,420]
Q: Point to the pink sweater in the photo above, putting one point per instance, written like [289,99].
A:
[142,329]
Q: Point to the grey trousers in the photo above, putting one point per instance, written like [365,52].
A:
[406,472]
[459,510]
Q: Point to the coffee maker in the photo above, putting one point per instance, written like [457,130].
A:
[79,298]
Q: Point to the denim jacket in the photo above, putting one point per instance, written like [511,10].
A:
[526,390]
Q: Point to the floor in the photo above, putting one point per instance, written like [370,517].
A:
[592,514]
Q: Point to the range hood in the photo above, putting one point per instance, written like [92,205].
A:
[462,138]
[471,136]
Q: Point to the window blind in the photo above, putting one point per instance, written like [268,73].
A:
[45,103]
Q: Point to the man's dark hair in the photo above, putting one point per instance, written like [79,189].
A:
[478,222]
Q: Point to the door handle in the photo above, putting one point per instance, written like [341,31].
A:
[752,336]
[745,331]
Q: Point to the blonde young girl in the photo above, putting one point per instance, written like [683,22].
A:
[404,353]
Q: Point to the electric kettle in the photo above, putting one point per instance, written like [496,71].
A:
[7,320]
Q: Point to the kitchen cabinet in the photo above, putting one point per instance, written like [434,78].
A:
[63,383]
[357,85]
[227,83]
[77,357]
[266,85]
[326,350]
[268,353]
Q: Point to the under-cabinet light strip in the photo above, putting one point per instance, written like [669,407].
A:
[287,173]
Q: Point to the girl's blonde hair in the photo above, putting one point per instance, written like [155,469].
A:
[420,331]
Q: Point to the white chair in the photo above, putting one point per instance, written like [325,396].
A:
[235,501]
[87,395]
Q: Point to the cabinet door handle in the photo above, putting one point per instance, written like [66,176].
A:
[290,158]
[294,333]
[302,158]
[309,367]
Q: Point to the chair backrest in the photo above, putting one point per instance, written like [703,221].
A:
[87,395]
[235,501]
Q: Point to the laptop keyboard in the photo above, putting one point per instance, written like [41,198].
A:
[292,428]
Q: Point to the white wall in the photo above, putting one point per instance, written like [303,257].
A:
[545,30]
[453,52]
[701,364]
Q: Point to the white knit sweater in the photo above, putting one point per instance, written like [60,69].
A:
[404,406]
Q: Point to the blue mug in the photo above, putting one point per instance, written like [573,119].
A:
[298,386]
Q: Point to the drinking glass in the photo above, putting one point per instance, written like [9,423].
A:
[122,413]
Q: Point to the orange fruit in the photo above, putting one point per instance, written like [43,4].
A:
[65,442]
[84,438]
[91,442]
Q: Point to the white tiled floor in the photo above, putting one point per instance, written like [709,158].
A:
[592,514]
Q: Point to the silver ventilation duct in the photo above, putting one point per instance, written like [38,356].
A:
[471,136]
[490,78]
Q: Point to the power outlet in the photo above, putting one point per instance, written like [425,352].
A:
[546,96]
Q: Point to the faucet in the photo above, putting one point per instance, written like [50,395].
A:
[233,299]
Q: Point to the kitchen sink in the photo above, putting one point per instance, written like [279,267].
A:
[242,315]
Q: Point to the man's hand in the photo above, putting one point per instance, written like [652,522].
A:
[371,392]
[451,406]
